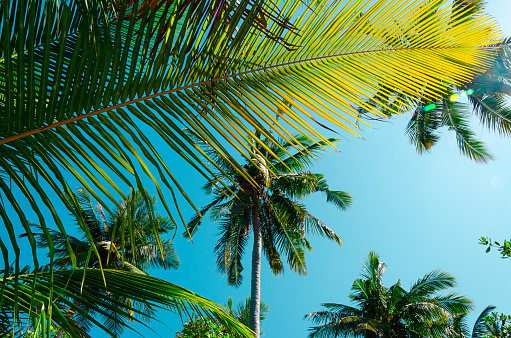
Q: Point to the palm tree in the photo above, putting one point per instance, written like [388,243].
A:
[242,311]
[379,311]
[117,245]
[271,211]
[88,88]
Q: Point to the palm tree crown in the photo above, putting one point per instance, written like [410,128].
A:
[117,246]
[379,311]
[270,210]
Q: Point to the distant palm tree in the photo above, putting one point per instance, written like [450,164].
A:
[392,312]
[116,246]
[270,210]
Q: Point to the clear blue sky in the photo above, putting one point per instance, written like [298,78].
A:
[419,213]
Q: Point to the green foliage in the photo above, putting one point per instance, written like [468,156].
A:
[498,325]
[55,332]
[285,222]
[203,327]
[128,240]
[488,95]
[83,83]
[116,245]
[83,291]
[206,327]
[504,248]
[386,312]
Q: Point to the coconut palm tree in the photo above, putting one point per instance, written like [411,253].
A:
[97,91]
[381,311]
[271,212]
[118,246]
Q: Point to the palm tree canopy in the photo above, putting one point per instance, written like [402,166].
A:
[285,221]
[124,241]
[379,311]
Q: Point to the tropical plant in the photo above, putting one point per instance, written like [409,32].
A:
[206,327]
[504,248]
[203,327]
[108,234]
[89,87]
[71,290]
[242,311]
[271,211]
[487,95]
[381,311]
[497,325]
[135,226]
[488,325]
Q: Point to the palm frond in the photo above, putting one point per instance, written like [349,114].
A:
[456,117]
[422,130]
[480,329]
[230,249]
[68,285]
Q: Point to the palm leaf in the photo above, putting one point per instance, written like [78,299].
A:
[456,118]
[480,329]
[67,284]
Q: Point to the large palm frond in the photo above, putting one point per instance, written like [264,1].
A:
[118,76]
[79,289]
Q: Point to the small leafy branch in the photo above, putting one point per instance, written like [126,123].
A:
[504,249]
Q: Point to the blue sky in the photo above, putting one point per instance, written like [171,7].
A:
[419,213]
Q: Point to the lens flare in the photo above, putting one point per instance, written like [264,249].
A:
[470,91]
[429,107]
[454,97]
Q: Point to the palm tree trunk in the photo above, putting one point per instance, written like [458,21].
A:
[255,287]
